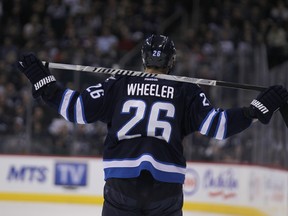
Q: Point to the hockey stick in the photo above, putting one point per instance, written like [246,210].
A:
[208,82]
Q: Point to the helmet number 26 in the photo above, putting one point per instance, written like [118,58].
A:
[156,53]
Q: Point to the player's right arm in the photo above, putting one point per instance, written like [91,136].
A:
[215,122]
[221,124]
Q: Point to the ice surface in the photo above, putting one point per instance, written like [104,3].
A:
[55,209]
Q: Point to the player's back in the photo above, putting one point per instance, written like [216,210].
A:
[149,119]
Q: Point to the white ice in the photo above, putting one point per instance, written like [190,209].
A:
[56,209]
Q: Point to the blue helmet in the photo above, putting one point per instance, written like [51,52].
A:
[158,51]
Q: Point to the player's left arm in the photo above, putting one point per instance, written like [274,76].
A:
[85,107]
[77,107]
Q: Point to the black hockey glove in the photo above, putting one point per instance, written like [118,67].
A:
[267,103]
[36,72]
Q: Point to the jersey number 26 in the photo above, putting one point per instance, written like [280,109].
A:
[152,113]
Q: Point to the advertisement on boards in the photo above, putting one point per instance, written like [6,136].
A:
[239,188]
[70,174]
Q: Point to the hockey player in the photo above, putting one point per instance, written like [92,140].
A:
[147,118]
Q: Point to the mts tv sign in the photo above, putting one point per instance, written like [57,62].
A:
[71,174]
[27,173]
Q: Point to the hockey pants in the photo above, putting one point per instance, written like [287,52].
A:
[142,196]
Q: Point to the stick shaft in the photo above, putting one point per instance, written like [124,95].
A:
[208,82]
[112,71]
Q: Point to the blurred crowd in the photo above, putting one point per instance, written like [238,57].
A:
[96,33]
[100,33]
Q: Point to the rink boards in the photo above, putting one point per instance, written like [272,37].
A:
[212,188]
